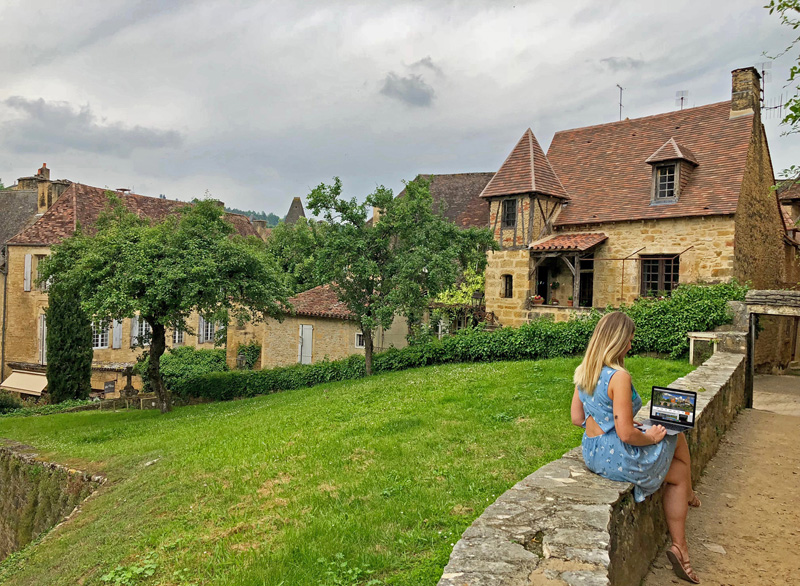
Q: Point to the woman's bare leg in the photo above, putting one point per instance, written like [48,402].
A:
[682,454]
[677,491]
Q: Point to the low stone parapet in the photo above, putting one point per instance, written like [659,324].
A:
[565,524]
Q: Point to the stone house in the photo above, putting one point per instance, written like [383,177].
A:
[632,208]
[320,327]
[24,327]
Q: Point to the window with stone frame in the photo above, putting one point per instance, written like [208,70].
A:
[666,182]
[177,337]
[99,336]
[209,328]
[44,285]
[360,340]
[508,286]
[509,213]
[659,275]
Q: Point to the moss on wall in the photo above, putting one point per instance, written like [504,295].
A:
[35,496]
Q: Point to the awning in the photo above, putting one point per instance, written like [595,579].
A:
[570,242]
[29,383]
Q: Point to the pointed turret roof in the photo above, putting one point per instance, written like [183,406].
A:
[295,212]
[526,170]
[671,151]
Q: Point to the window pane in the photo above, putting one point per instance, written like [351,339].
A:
[665,182]
[509,213]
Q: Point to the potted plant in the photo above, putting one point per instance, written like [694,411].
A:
[555,285]
[569,301]
[554,301]
[537,299]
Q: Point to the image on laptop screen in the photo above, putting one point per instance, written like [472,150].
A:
[672,406]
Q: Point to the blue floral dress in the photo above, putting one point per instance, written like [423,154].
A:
[607,455]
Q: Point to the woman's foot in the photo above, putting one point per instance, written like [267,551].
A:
[695,501]
[680,564]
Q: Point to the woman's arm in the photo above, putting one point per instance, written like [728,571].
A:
[619,389]
[576,410]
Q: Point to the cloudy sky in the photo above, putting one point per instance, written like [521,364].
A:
[257,102]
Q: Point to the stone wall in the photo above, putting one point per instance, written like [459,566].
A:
[35,496]
[331,338]
[565,525]
[759,246]
[510,311]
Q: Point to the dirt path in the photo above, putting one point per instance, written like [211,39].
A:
[751,498]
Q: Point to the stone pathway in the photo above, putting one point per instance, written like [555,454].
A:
[748,529]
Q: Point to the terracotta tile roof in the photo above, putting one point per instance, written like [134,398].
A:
[671,151]
[604,168]
[789,189]
[82,204]
[457,197]
[526,170]
[569,242]
[320,302]
[787,219]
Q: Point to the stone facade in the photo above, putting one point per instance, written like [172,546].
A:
[23,340]
[332,339]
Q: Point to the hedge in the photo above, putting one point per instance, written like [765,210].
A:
[661,326]
[185,362]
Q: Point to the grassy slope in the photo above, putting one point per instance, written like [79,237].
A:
[381,474]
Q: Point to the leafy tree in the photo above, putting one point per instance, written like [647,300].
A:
[296,248]
[789,11]
[393,265]
[69,346]
[164,271]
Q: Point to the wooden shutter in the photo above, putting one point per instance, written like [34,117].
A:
[201,330]
[305,346]
[116,334]
[42,339]
[27,284]
[134,330]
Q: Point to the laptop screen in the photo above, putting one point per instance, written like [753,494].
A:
[673,405]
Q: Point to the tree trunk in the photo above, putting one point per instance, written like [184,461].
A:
[367,349]
[157,346]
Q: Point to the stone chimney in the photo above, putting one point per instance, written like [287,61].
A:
[745,92]
[376,215]
[260,226]
[44,172]
[45,197]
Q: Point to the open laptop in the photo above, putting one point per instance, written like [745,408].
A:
[672,408]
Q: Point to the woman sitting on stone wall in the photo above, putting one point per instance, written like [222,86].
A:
[605,403]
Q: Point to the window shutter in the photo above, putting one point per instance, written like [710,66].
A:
[134,330]
[201,330]
[116,334]
[27,272]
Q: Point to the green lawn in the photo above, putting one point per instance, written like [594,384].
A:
[314,486]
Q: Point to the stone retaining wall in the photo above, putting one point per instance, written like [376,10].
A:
[564,524]
[35,496]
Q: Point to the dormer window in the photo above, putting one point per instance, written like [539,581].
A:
[666,182]
[672,168]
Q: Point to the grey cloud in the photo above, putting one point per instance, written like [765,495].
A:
[622,63]
[428,63]
[58,126]
[411,90]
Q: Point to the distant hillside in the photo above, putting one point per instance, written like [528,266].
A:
[272,219]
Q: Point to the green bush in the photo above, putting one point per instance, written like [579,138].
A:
[661,326]
[184,362]
[9,402]
[251,353]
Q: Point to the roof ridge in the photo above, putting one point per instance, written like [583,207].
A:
[529,132]
[501,166]
[628,120]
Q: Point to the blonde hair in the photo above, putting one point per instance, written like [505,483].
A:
[607,347]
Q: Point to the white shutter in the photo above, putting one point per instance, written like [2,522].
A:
[27,272]
[306,337]
[201,330]
[42,339]
[116,334]
[134,330]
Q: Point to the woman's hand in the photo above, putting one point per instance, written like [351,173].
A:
[656,433]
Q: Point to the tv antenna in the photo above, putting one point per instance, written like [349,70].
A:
[681,97]
[620,100]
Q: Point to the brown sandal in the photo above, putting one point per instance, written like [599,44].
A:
[695,501]
[681,568]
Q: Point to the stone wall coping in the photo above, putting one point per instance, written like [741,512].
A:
[556,524]
[28,455]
